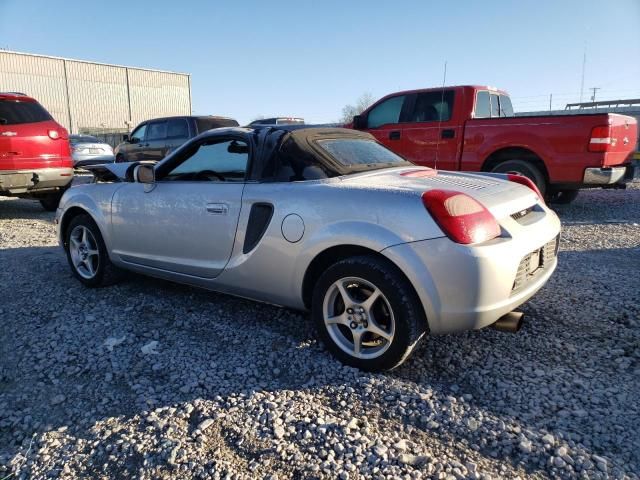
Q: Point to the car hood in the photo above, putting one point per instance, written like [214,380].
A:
[493,190]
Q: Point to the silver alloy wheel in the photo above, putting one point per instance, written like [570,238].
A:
[358,317]
[84,253]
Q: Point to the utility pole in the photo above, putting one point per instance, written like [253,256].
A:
[594,90]
[550,100]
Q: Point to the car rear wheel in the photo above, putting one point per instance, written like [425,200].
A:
[87,254]
[367,313]
[563,197]
[51,201]
[528,169]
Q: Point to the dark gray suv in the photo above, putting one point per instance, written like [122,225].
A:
[154,139]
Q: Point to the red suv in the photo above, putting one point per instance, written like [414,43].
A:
[35,158]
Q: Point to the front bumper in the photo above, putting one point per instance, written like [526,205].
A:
[607,175]
[469,287]
[18,182]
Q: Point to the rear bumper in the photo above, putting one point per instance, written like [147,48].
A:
[469,287]
[606,175]
[25,182]
[81,160]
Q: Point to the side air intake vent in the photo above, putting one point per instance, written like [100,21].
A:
[259,219]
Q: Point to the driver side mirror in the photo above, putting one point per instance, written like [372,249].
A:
[360,122]
[125,138]
[145,174]
[132,139]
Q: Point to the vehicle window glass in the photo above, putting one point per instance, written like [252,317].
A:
[483,105]
[495,111]
[387,112]
[293,164]
[157,131]
[205,124]
[138,133]
[13,113]
[215,162]
[177,128]
[83,139]
[433,107]
[506,109]
[357,152]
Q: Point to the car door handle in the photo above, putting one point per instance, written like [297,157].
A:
[395,135]
[218,208]
[448,133]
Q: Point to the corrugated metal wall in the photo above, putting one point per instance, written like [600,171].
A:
[89,96]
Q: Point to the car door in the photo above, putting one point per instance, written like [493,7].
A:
[133,149]
[155,141]
[384,121]
[186,221]
[431,136]
[177,134]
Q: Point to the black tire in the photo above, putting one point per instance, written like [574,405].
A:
[563,197]
[105,272]
[120,158]
[528,169]
[406,310]
[51,201]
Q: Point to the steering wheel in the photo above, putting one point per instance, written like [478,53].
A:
[206,174]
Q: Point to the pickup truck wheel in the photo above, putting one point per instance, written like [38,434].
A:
[527,169]
[51,201]
[563,197]
[367,313]
[120,158]
[87,254]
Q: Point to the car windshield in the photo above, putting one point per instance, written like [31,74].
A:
[360,153]
[83,139]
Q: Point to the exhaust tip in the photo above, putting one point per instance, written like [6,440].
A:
[510,322]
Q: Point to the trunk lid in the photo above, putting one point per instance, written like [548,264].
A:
[500,196]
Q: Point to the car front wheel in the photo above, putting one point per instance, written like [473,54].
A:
[87,254]
[367,313]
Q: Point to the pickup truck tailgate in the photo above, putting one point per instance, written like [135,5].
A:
[623,136]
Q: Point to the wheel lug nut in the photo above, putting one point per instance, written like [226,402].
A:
[349,310]
[365,324]
[354,325]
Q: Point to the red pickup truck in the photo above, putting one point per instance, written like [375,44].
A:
[474,128]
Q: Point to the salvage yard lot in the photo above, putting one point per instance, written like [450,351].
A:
[233,386]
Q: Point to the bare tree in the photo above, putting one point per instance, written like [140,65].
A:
[362,103]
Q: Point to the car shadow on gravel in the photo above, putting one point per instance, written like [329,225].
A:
[71,357]
[14,209]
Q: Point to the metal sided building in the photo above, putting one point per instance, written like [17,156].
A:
[89,97]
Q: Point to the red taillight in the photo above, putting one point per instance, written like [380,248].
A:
[527,182]
[601,140]
[463,219]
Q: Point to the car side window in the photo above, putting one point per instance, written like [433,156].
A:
[157,131]
[433,107]
[506,109]
[177,128]
[219,161]
[138,134]
[483,106]
[386,112]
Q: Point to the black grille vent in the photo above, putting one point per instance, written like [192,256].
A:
[522,213]
[544,255]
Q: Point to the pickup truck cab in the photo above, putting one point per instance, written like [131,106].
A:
[474,128]
[155,139]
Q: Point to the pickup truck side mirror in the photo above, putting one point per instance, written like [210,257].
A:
[132,139]
[360,122]
[145,174]
[125,138]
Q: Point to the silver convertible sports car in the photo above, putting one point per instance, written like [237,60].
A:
[379,250]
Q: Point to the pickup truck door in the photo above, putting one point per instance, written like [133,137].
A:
[385,122]
[430,135]
[186,221]
[155,143]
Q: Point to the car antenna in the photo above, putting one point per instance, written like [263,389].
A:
[444,80]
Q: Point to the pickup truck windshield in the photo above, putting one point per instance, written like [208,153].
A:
[360,153]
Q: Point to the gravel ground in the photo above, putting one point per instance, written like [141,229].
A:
[148,379]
